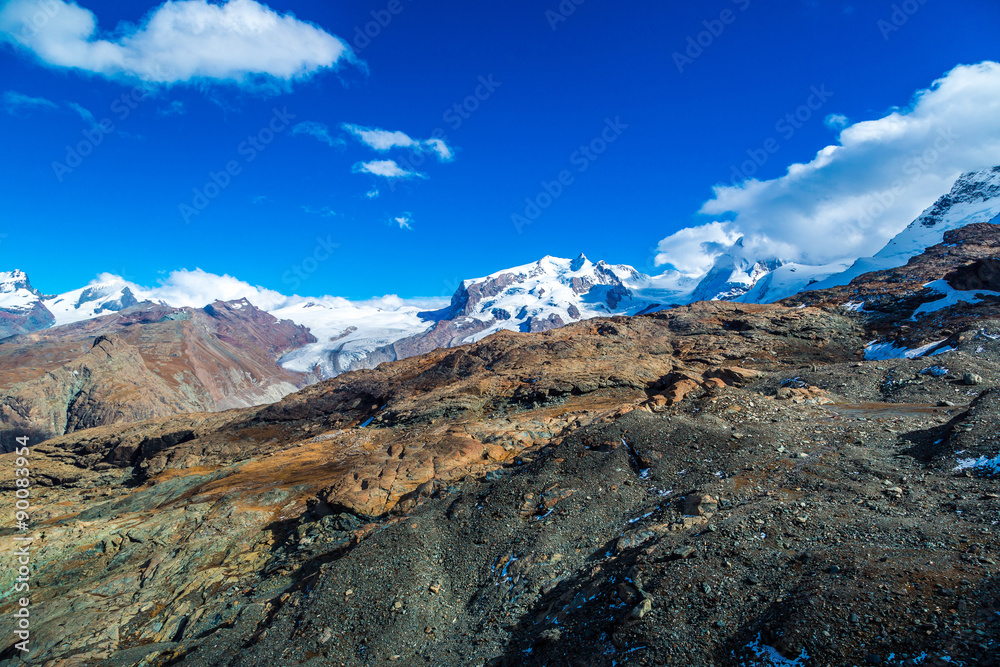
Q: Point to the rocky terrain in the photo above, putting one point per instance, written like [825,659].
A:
[717,484]
[142,362]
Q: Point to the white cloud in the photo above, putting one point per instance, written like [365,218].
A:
[386,169]
[836,121]
[404,221]
[83,112]
[198,288]
[373,193]
[319,131]
[180,41]
[13,101]
[384,140]
[692,250]
[854,196]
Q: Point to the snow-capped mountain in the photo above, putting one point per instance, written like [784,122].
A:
[534,297]
[16,292]
[549,293]
[975,197]
[732,275]
[21,309]
[92,301]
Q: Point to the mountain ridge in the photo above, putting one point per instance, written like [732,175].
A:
[546,294]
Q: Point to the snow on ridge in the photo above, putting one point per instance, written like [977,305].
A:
[94,300]
[16,293]
[950,297]
[876,351]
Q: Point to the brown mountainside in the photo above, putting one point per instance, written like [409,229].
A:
[146,361]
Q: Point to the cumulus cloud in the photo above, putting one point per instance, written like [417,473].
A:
[854,196]
[14,101]
[318,131]
[180,41]
[372,194]
[692,250]
[385,169]
[836,121]
[198,288]
[384,140]
[404,221]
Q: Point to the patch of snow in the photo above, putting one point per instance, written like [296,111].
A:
[882,351]
[982,463]
[768,656]
[949,297]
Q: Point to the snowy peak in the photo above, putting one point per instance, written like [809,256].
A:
[13,281]
[733,275]
[94,300]
[975,197]
[975,187]
[16,293]
[21,308]
[549,293]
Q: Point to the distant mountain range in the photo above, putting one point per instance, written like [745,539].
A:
[236,354]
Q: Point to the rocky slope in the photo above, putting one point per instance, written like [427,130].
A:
[933,297]
[145,361]
[718,484]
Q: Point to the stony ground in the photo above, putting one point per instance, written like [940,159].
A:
[715,485]
[841,533]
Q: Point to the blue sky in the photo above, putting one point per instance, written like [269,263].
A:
[538,85]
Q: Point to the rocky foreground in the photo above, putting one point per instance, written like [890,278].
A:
[718,484]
